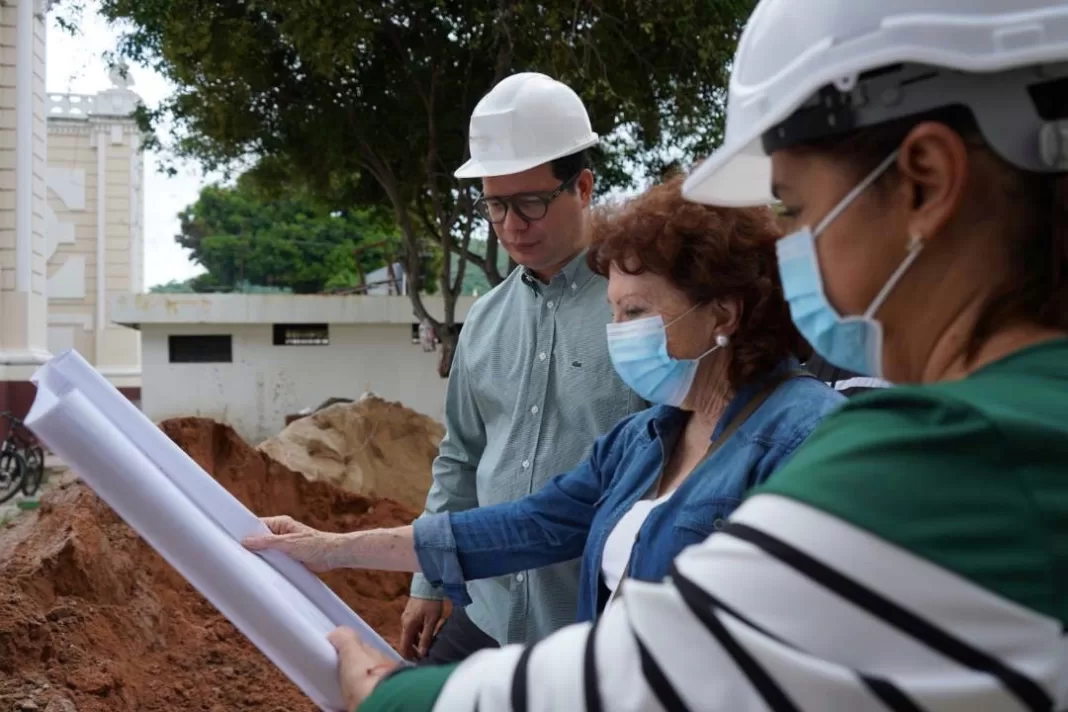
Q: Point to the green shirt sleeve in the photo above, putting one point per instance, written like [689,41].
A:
[932,473]
[414,690]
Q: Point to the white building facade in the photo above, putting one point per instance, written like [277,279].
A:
[95,228]
[23,162]
[252,359]
[71,227]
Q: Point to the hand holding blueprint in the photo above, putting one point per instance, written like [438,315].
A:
[194,523]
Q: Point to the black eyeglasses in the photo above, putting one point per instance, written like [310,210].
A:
[528,206]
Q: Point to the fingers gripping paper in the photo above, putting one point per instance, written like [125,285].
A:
[194,523]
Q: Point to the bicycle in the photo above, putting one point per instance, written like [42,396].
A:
[12,470]
[21,461]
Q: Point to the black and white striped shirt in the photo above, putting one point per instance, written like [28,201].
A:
[845,382]
[911,556]
[786,631]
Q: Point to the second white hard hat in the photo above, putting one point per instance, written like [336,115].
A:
[526,120]
[791,50]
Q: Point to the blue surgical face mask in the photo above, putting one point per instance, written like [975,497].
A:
[854,343]
[638,350]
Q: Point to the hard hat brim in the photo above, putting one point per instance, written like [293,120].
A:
[735,176]
[475,168]
[487,169]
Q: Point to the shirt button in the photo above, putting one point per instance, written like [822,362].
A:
[541,356]
[526,464]
[534,410]
[549,305]
[519,578]
[574,286]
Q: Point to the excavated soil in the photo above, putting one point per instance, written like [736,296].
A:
[372,446]
[93,620]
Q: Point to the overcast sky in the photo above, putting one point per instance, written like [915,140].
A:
[76,65]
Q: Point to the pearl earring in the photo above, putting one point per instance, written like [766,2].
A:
[722,340]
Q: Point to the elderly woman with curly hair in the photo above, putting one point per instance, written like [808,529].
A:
[702,331]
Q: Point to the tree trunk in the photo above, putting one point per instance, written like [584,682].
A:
[493,274]
[448,337]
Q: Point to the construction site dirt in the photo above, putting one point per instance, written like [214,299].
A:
[92,619]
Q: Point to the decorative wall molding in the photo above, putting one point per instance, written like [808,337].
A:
[63,319]
[114,103]
[69,186]
[60,338]
[120,371]
[56,233]
[101,242]
[68,282]
[135,217]
[24,80]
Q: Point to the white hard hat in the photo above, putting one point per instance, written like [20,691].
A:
[808,67]
[526,120]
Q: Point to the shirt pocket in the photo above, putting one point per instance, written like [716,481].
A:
[702,519]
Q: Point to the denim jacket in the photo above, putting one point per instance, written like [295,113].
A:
[573,514]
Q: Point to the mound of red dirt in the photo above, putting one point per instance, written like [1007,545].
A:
[92,619]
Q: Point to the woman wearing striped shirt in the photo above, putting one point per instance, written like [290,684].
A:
[913,555]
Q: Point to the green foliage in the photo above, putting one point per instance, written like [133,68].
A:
[475,280]
[239,236]
[368,103]
[175,286]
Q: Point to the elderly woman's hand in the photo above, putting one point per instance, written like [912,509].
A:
[319,551]
[360,667]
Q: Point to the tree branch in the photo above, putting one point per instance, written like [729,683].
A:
[462,250]
[384,176]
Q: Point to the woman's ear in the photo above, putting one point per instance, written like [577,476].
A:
[727,314]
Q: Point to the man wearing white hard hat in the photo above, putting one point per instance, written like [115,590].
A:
[532,385]
[913,554]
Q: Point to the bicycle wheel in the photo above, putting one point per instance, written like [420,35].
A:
[12,470]
[31,481]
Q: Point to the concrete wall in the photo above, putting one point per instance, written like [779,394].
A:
[264,382]
[159,309]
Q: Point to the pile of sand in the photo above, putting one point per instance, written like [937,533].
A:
[92,619]
[372,446]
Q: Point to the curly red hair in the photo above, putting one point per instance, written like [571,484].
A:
[709,253]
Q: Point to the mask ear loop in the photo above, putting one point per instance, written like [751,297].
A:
[852,195]
[679,317]
[721,339]
[914,247]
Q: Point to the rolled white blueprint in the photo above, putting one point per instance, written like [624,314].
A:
[194,524]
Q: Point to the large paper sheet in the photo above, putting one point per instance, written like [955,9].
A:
[194,523]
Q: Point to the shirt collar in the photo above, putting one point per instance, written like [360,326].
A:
[574,275]
[747,393]
[669,419]
[666,422]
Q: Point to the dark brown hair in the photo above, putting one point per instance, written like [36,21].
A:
[708,253]
[1036,207]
